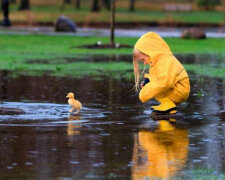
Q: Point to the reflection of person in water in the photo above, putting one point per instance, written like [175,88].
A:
[159,154]
[73,126]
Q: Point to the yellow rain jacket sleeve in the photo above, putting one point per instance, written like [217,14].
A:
[166,73]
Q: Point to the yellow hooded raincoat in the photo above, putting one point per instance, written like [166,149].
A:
[166,74]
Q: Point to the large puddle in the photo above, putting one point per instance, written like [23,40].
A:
[187,59]
[113,137]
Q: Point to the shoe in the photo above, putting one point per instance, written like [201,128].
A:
[167,112]
[153,107]
[166,107]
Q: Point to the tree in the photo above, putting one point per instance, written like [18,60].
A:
[5,8]
[63,4]
[77,3]
[112,23]
[208,4]
[132,5]
[106,3]
[24,5]
[95,6]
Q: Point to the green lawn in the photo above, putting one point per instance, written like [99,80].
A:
[35,54]
[40,46]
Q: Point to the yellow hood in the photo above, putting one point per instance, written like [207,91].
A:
[152,45]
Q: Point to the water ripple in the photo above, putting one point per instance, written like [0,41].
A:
[48,112]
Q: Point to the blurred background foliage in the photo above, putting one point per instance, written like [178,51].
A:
[91,11]
[126,4]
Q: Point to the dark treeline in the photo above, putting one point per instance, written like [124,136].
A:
[24,5]
[97,5]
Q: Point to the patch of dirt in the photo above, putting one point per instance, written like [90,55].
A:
[99,58]
[99,45]
[37,61]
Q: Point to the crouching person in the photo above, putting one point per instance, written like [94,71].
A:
[167,81]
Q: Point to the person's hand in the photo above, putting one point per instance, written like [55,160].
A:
[143,83]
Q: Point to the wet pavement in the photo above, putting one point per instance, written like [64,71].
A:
[137,32]
[113,137]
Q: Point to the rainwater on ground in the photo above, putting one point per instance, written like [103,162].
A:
[114,136]
[163,31]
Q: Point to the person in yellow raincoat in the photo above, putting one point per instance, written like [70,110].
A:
[168,80]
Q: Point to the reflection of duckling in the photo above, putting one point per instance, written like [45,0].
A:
[73,127]
[75,104]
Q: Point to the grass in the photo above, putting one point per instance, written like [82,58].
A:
[99,69]
[38,46]
[37,54]
[202,174]
[206,70]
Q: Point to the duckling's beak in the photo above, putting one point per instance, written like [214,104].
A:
[67,96]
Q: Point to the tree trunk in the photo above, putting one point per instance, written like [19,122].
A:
[112,23]
[77,3]
[63,4]
[95,6]
[107,4]
[5,8]
[132,5]
[24,5]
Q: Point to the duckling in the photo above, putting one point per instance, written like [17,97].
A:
[75,104]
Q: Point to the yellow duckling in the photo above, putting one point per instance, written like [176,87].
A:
[75,104]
